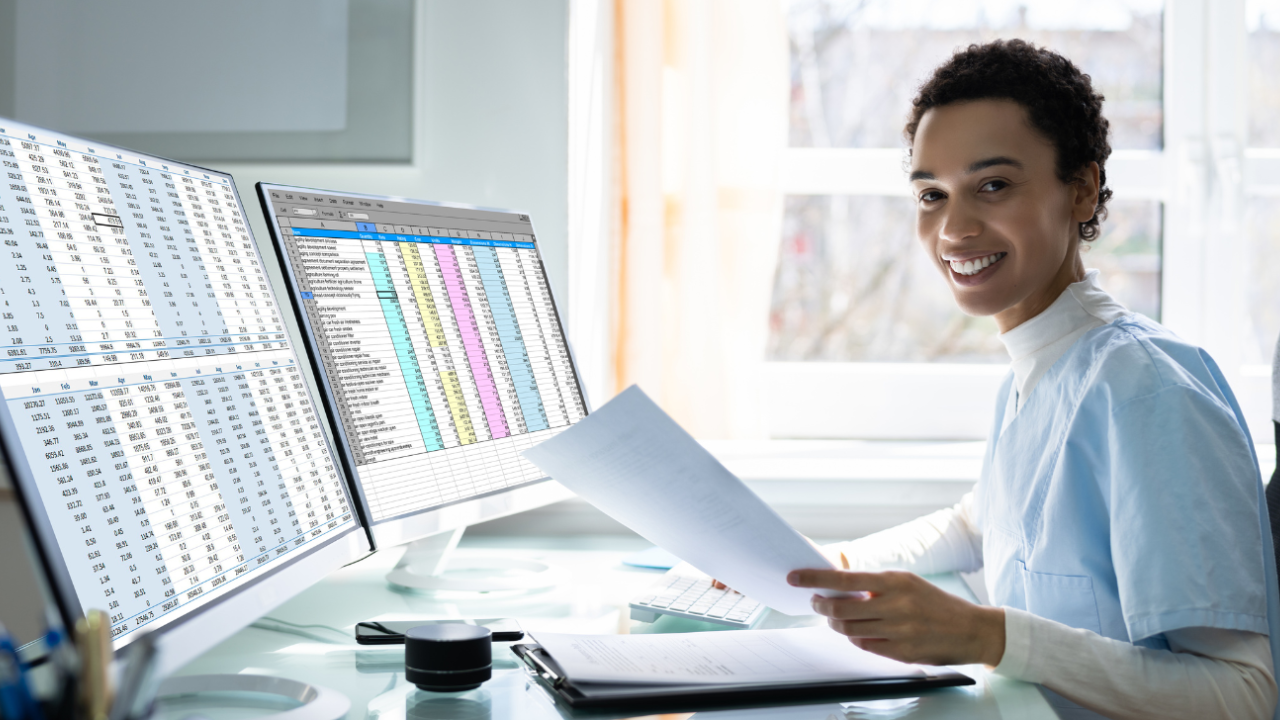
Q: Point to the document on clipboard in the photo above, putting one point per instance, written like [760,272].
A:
[811,654]
[634,463]
[688,671]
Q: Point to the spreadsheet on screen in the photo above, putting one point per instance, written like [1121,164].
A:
[438,338]
[146,367]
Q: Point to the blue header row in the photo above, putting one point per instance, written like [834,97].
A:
[394,237]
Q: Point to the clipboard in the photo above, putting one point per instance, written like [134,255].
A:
[685,698]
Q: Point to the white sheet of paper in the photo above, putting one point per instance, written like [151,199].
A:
[634,463]
[812,654]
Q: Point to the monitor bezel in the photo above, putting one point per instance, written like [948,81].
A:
[440,518]
[181,639]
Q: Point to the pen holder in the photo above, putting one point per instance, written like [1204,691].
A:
[448,657]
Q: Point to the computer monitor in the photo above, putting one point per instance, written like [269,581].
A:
[155,421]
[440,354]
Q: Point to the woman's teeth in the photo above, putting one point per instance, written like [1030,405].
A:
[976,265]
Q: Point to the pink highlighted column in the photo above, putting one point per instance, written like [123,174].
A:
[470,332]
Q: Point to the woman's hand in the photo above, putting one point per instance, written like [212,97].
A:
[907,618]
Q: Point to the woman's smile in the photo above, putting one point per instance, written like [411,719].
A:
[976,270]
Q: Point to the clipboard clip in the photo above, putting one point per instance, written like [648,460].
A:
[538,667]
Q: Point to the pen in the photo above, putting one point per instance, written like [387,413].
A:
[92,635]
[543,669]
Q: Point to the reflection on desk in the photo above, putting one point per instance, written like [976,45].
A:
[594,601]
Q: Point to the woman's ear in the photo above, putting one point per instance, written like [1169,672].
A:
[1084,202]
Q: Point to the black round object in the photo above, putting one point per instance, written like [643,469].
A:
[448,657]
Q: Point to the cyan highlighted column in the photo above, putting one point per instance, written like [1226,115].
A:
[504,317]
[413,380]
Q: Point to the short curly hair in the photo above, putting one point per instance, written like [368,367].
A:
[1059,99]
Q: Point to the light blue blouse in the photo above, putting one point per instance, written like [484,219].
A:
[1124,496]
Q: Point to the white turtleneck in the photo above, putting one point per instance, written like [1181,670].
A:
[1207,672]
[1035,345]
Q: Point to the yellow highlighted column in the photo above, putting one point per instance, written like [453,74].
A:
[458,406]
[422,293]
[435,335]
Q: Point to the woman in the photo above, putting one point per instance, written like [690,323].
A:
[1118,516]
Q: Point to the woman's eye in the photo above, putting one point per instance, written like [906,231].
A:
[993,185]
[930,196]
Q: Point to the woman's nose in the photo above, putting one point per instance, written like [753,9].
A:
[958,224]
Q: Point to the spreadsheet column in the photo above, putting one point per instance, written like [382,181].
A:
[383,418]
[426,332]
[519,302]
[534,326]
[570,400]
[183,502]
[450,352]
[197,232]
[400,312]
[491,340]
[496,409]
[398,327]
[469,308]
[484,404]
[164,264]
[212,399]
[188,307]
[34,328]
[508,344]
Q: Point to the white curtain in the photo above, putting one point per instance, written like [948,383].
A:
[701,121]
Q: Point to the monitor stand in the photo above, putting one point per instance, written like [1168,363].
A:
[431,564]
[317,703]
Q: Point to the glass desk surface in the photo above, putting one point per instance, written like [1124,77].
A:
[594,600]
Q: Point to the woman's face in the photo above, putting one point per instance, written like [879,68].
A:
[991,211]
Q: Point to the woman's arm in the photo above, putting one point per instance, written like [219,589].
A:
[944,541]
[1208,672]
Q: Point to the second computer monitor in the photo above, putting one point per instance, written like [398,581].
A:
[439,349]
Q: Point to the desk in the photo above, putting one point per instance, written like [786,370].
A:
[593,601]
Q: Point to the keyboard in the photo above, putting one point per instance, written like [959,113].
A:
[685,592]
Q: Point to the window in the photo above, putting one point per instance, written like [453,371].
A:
[1262,247]
[864,339]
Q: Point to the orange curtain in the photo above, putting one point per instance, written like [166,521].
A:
[701,90]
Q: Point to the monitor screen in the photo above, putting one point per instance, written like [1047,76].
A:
[155,416]
[436,339]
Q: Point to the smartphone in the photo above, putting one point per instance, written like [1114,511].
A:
[392,632]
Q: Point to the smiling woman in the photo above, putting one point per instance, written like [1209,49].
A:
[1034,160]
[994,214]
[1119,467]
